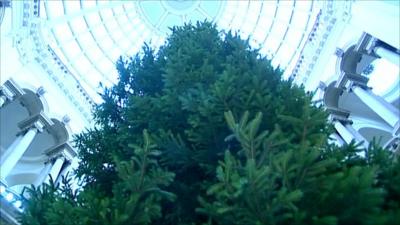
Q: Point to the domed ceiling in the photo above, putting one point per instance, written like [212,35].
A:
[89,36]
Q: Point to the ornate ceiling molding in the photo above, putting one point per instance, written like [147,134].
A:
[31,48]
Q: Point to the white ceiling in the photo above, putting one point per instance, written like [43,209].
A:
[89,36]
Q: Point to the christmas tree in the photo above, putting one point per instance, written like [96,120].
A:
[205,131]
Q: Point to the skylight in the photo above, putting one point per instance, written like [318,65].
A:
[91,35]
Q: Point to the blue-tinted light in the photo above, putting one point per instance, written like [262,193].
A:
[9,196]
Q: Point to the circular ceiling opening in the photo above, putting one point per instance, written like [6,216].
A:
[162,15]
[180,7]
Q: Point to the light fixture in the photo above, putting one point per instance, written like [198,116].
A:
[17,204]
[2,189]
[9,197]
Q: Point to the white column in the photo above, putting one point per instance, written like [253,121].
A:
[357,136]
[3,100]
[391,56]
[44,173]
[337,139]
[63,172]
[379,105]
[55,169]
[348,133]
[344,133]
[15,151]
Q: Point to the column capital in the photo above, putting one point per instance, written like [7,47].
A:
[39,121]
[366,44]
[11,90]
[338,114]
[322,85]
[6,3]
[65,150]
[52,158]
[66,119]
[339,52]
[347,80]
[40,91]
[344,121]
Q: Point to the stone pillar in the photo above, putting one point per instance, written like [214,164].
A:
[29,128]
[3,95]
[337,139]
[44,173]
[55,169]
[389,55]
[66,168]
[379,105]
[61,154]
[52,168]
[348,133]
[16,150]
[3,100]
[9,91]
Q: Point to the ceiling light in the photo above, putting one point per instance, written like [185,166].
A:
[9,197]
[17,204]
[2,189]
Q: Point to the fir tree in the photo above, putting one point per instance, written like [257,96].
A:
[205,131]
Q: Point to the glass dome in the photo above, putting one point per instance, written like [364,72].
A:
[89,36]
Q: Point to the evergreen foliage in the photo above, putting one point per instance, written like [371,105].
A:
[205,131]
